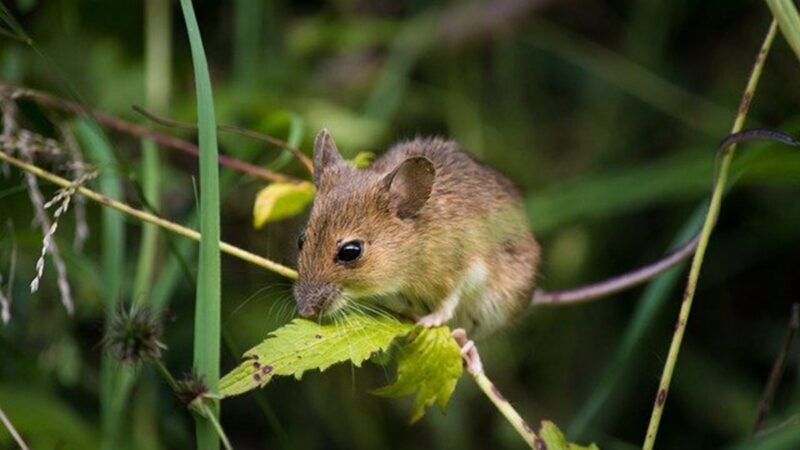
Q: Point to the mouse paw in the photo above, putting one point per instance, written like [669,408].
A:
[469,352]
[435,319]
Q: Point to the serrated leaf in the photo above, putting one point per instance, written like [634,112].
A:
[555,440]
[281,200]
[429,365]
[303,345]
[362,160]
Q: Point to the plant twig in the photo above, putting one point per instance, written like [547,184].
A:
[776,373]
[472,362]
[208,414]
[13,431]
[150,218]
[123,126]
[163,121]
[708,225]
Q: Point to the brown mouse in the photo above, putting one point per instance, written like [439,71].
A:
[426,231]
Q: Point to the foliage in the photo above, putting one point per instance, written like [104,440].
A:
[281,200]
[428,366]
[555,440]
[303,345]
[607,121]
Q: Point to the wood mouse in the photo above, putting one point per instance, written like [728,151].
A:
[426,231]
[432,233]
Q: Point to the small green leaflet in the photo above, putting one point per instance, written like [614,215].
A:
[281,200]
[304,345]
[555,440]
[362,160]
[429,365]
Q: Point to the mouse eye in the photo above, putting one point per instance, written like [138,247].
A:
[301,240]
[349,251]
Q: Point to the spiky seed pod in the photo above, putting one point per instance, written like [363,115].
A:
[191,389]
[134,335]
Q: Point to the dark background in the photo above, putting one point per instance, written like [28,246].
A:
[605,113]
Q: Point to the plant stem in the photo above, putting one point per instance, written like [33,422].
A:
[208,414]
[473,364]
[505,408]
[13,431]
[139,131]
[705,234]
[778,367]
[150,218]
[162,369]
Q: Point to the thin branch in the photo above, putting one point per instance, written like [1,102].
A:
[13,431]
[123,126]
[235,129]
[708,226]
[778,367]
[474,366]
[150,218]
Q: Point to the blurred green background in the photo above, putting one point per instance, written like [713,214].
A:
[606,113]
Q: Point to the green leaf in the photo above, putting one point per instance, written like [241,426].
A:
[429,365]
[362,160]
[303,345]
[555,439]
[281,200]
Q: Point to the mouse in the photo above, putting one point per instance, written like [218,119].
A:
[426,231]
[430,232]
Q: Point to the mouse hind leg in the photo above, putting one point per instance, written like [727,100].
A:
[507,292]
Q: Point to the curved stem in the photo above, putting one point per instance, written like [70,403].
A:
[150,218]
[132,129]
[705,234]
[235,129]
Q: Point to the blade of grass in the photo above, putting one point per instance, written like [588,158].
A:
[113,256]
[726,156]
[207,306]
[158,56]
[788,19]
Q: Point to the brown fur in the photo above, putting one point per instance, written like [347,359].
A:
[421,240]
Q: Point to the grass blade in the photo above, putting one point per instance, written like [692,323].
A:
[788,20]
[101,154]
[207,306]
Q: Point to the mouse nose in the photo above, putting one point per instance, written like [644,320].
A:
[312,297]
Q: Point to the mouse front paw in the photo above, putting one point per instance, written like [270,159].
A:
[435,319]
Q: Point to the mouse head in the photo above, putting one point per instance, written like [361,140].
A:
[359,240]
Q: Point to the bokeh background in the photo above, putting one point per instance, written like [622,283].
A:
[605,113]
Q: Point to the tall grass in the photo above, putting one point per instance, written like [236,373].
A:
[113,257]
[207,304]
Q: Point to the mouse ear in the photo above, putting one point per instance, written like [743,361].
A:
[326,155]
[409,186]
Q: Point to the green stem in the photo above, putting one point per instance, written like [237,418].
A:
[173,227]
[162,369]
[207,413]
[708,225]
[505,408]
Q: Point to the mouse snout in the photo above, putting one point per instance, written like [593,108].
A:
[313,297]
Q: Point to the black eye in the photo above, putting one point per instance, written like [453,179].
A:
[301,240]
[349,251]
